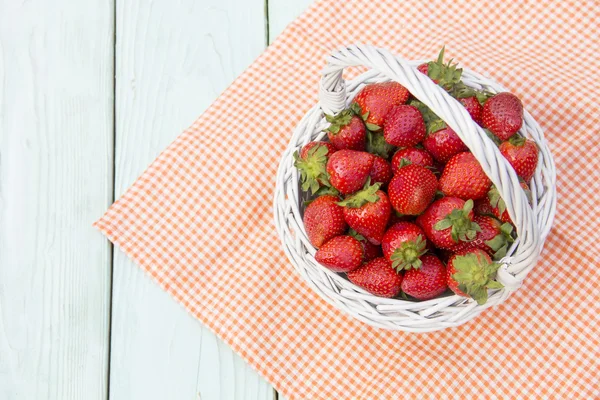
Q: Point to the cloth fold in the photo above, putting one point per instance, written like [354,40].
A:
[199,220]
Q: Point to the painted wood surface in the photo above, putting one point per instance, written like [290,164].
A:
[173,58]
[56,157]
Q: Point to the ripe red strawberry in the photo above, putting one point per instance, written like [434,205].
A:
[471,274]
[368,212]
[381,172]
[448,221]
[497,204]
[411,155]
[494,237]
[412,189]
[403,244]
[377,277]
[324,219]
[483,207]
[426,282]
[463,177]
[312,162]
[404,126]
[522,154]
[347,131]
[340,254]
[349,169]
[473,107]
[503,115]
[444,144]
[376,99]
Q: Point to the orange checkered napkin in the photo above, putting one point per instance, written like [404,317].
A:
[199,220]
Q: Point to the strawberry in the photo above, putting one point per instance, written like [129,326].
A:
[312,162]
[522,154]
[376,99]
[370,250]
[377,277]
[448,221]
[340,254]
[381,171]
[444,144]
[368,212]
[494,237]
[503,115]
[404,126]
[377,145]
[403,244]
[445,75]
[426,282]
[412,189]
[411,155]
[324,219]
[473,107]
[349,169]
[483,207]
[498,205]
[463,177]
[471,274]
[347,131]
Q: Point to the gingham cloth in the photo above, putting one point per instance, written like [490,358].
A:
[199,220]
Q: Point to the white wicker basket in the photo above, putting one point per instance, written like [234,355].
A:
[532,222]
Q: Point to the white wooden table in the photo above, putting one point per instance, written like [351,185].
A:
[90,92]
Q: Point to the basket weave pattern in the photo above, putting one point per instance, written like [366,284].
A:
[532,222]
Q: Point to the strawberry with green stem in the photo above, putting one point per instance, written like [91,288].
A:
[494,237]
[522,154]
[311,161]
[497,204]
[403,244]
[448,222]
[426,282]
[368,212]
[346,130]
[444,74]
[471,274]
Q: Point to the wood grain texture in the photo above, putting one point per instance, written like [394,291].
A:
[173,58]
[56,130]
[282,12]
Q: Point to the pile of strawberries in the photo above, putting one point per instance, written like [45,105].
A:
[400,204]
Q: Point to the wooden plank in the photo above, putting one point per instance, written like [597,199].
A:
[281,13]
[56,157]
[173,60]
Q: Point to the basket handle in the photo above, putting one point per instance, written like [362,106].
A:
[332,99]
